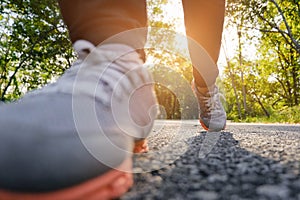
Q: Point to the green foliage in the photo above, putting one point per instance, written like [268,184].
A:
[34,47]
[289,115]
[174,94]
[271,80]
[171,67]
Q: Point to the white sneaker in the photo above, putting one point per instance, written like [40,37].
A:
[212,115]
[74,138]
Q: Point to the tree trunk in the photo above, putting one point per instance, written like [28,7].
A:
[233,86]
[242,71]
[262,105]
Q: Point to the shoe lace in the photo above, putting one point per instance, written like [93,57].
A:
[211,101]
[117,69]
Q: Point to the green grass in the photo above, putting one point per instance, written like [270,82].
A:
[288,115]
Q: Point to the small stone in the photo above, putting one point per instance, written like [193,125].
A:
[156,180]
[243,167]
[252,179]
[296,184]
[207,195]
[273,191]
[217,178]
[195,186]
[194,171]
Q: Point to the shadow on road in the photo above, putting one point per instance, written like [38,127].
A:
[229,171]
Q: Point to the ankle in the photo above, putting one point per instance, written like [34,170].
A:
[205,89]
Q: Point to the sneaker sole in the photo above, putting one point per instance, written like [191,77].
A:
[205,128]
[110,185]
[141,146]
[203,125]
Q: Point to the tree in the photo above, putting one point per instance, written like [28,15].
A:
[272,78]
[35,48]
[172,70]
[280,29]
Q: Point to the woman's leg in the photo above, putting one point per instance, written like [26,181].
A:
[99,21]
[204,24]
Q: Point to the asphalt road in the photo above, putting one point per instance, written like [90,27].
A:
[246,161]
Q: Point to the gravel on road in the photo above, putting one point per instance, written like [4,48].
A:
[246,161]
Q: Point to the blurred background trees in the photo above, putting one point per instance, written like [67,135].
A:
[266,84]
[34,47]
[260,75]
